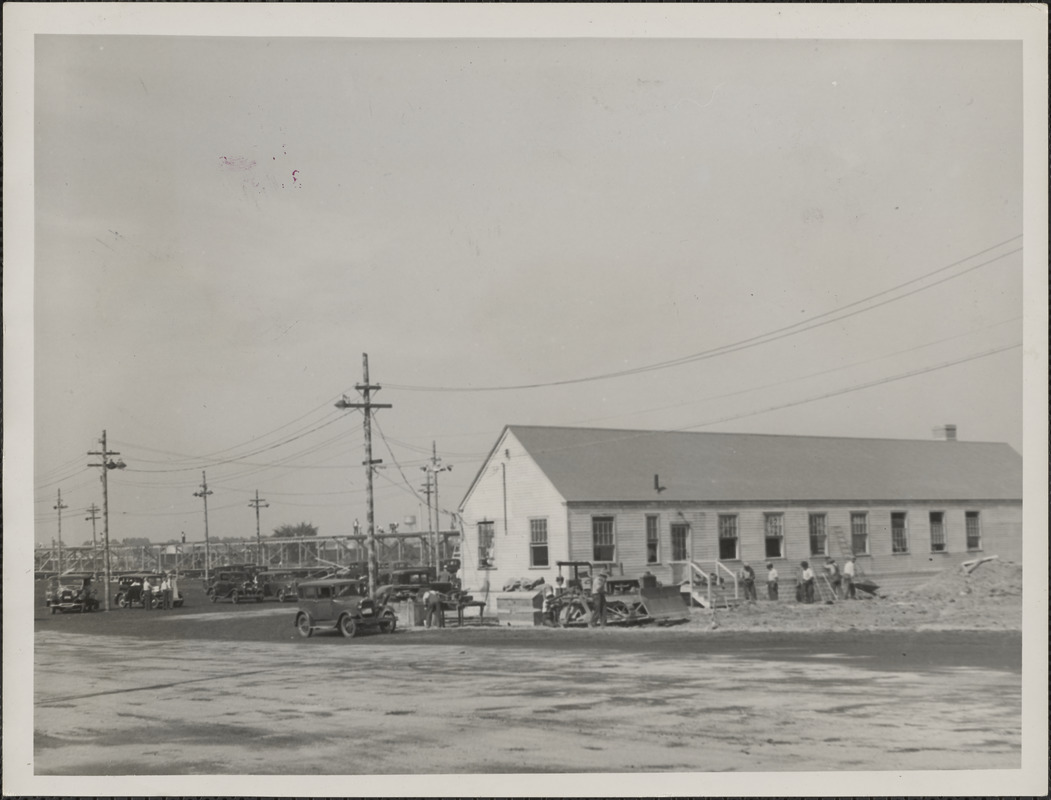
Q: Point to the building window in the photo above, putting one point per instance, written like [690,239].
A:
[859,533]
[899,534]
[774,531]
[679,534]
[974,531]
[818,535]
[603,548]
[937,531]
[486,541]
[653,540]
[727,537]
[538,543]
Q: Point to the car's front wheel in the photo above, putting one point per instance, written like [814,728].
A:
[348,626]
[389,621]
[122,600]
[303,625]
[233,597]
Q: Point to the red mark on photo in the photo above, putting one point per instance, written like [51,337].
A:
[237,162]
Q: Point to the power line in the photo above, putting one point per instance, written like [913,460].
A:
[800,377]
[818,321]
[847,390]
[859,387]
[246,455]
[396,464]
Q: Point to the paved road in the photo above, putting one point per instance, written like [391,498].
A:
[234,692]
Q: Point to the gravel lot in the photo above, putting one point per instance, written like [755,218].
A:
[888,684]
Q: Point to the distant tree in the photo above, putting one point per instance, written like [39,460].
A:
[293,531]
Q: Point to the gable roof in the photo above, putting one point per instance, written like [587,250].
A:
[594,464]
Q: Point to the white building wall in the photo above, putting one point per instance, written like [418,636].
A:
[511,477]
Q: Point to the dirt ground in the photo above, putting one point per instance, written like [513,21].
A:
[990,598]
[926,680]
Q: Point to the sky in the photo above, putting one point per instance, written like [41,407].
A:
[797,236]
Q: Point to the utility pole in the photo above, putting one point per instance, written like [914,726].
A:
[58,507]
[366,390]
[107,464]
[257,504]
[203,493]
[94,541]
[427,492]
[434,467]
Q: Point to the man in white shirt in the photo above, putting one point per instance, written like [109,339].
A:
[771,582]
[147,594]
[808,582]
[849,570]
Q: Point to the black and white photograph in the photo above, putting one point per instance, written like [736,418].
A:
[497,400]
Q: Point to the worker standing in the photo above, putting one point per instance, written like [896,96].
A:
[598,599]
[849,572]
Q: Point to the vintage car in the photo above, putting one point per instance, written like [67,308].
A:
[71,592]
[129,590]
[281,584]
[341,604]
[405,584]
[235,586]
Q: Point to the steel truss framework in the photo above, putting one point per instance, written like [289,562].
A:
[320,551]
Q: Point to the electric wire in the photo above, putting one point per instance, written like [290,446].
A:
[817,321]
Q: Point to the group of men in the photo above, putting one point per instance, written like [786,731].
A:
[161,592]
[596,590]
[841,581]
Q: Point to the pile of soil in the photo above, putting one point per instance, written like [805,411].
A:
[990,579]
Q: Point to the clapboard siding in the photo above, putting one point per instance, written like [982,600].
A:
[529,495]
[512,488]
[1000,525]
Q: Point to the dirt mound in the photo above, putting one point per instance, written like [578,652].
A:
[990,579]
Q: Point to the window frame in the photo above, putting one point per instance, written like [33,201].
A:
[903,549]
[942,529]
[731,523]
[486,543]
[864,517]
[653,539]
[779,535]
[535,545]
[612,544]
[977,517]
[812,518]
[684,528]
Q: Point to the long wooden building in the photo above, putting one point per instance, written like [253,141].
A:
[656,500]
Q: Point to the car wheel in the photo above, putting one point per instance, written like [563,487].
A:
[233,598]
[348,626]
[303,625]
[389,622]
[122,600]
[213,598]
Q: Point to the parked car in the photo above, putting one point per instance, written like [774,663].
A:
[129,590]
[72,592]
[234,586]
[281,583]
[341,604]
[405,584]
